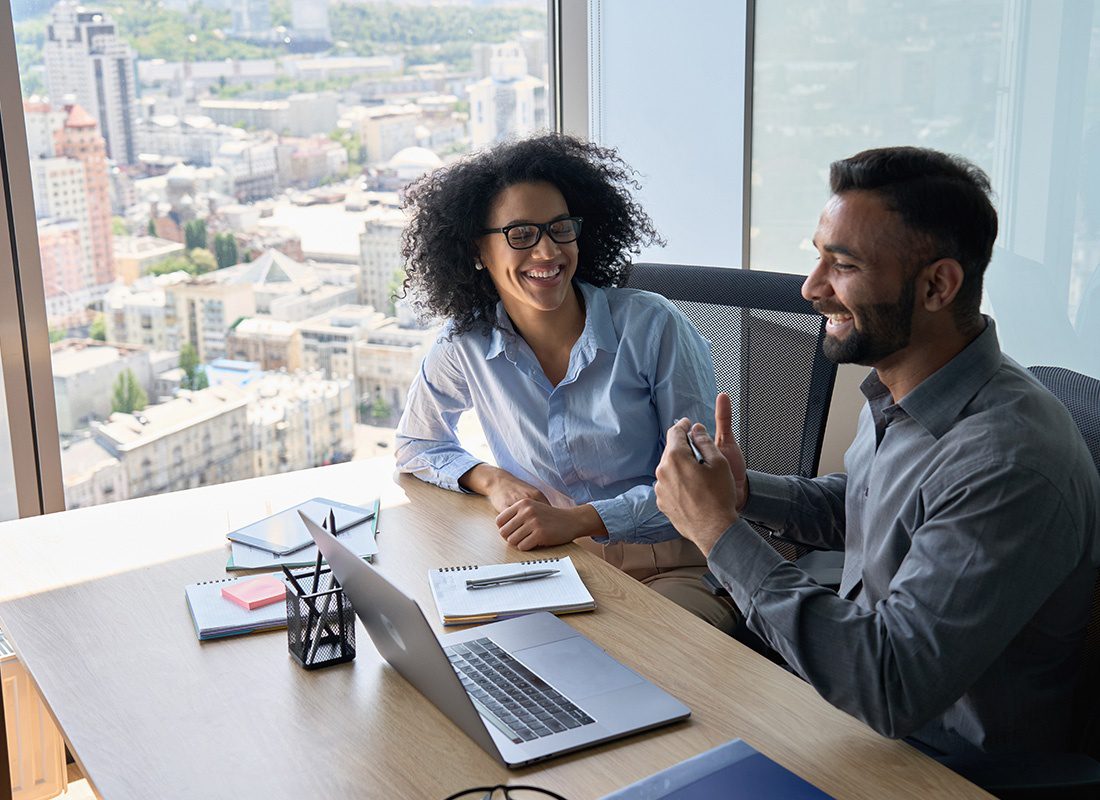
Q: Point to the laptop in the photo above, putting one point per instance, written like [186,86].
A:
[525,689]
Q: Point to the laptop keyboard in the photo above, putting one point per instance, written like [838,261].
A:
[522,704]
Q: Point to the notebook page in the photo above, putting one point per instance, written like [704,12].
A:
[214,614]
[561,591]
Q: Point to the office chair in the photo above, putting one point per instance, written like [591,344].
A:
[766,344]
[1059,776]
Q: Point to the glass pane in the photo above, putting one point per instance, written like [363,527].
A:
[217,186]
[1014,87]
[9,506]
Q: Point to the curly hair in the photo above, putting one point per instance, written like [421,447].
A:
[449,208]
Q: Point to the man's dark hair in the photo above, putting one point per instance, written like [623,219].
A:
[943,199]
[449,208]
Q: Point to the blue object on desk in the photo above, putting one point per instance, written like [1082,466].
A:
[731,770]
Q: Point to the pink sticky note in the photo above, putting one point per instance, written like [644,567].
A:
[256,593]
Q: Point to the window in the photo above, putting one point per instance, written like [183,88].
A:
[1013,87]
[180,222]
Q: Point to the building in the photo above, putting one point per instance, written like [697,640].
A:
[382,267]
[72,198]
[194,139]
[92,475]
[250,166]
[329,340]
[202,311]
[79,140]
[251,19]
[309,22]
[134,255]
[406,165]
[301,114]
[84,372]
[305,163]
[64,279]
[139,314]
[289,290]
[86,59]
[508,102]
[274,344]
[388,359]
[384,130]
[196,439]
[300,421]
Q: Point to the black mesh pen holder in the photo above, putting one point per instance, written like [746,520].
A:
[320,625]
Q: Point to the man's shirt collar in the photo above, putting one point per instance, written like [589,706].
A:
[937,401]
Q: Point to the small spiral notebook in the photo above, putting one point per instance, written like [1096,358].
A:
[216,616]
[564,593]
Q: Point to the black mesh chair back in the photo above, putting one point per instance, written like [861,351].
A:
[1081,395]
[766,343]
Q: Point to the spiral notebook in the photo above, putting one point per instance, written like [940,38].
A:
[216,616]
[563,593]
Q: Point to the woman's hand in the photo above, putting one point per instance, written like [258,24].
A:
[528,524]
[502,488]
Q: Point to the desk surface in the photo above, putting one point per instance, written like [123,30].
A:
[93,602]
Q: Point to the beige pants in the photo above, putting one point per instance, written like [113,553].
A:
[671,569]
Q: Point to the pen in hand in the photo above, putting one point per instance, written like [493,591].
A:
[695,450]
[516,577]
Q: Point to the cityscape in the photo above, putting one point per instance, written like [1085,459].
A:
[217,186]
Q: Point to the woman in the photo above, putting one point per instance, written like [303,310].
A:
[575,382]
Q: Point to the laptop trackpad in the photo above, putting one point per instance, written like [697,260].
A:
[576,667]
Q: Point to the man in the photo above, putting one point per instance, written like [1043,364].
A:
[968,514]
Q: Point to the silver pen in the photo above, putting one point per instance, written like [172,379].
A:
[695,450]
[515,577]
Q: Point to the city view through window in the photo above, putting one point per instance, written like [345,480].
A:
[217,186]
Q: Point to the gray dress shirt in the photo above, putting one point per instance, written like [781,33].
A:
[968,519]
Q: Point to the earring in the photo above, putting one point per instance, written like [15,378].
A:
[478,265]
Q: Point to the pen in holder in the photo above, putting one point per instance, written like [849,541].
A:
[320,624]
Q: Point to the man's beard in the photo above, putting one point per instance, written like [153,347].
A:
[886,328]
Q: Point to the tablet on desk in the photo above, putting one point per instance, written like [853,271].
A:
[284,532]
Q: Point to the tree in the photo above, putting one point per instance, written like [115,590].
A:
[57,334]
[225,250]
[172,264]
[151,228]
[189,363]
[203,260]
[194,234]
[127,395]
[98,328]
[118,227]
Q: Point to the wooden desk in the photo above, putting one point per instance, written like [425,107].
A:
[93,602]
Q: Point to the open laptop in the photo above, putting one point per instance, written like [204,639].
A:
[524,689]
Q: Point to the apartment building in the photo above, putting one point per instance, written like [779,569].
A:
[196,439]
[300,421]
[202,310]
[274,344]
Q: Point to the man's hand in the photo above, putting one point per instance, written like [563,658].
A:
[501,487]
[731,450]
[528,524]
[698,499]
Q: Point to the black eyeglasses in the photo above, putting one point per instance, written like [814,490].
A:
[525,235]
[501,792]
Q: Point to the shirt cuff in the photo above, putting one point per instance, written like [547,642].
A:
[742,560]
[617,518]
[450,472]
[769,500]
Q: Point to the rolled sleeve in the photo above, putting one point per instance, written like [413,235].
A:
[427,444]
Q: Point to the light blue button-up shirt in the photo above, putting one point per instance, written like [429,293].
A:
[596,437]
